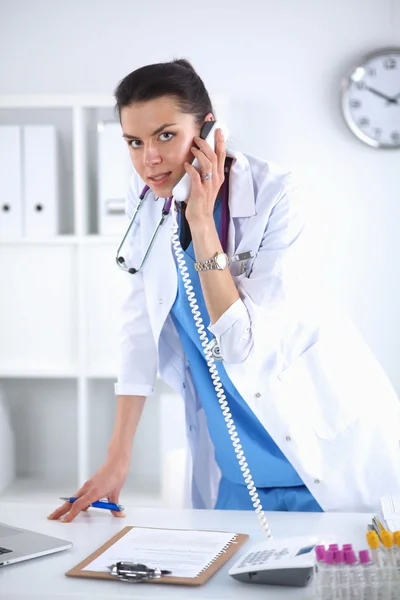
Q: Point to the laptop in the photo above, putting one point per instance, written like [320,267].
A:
[17,545]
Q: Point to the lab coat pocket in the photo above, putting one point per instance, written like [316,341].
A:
[237,271]
[322,387]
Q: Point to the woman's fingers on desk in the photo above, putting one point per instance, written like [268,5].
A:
[114,497]
[106,482]
[83,502]
[86,495]
[75,508]
[60,511]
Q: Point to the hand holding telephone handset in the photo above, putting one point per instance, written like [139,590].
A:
[181,191]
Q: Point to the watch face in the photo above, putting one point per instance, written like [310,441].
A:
[371,99]
[221,260]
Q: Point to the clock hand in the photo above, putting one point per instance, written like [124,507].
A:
[381,95]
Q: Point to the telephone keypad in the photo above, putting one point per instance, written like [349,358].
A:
[262,556]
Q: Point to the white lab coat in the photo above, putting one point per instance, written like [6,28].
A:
[300,365]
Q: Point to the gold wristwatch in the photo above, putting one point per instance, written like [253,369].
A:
[220,261]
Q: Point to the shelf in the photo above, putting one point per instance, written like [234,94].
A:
[103,375]
[59,358]
[67,240]
[101,240]
[37,374]
[40,491]
[37,490]
[56,100]
[60,240]
[20,374]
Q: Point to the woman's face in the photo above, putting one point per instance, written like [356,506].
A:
[159,137]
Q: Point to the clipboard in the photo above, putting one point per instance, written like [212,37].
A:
[222,557]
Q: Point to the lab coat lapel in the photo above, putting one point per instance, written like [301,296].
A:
[241,201]
[159,270]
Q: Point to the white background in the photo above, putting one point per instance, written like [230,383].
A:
[281,64]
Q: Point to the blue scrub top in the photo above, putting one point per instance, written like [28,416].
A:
[268,465]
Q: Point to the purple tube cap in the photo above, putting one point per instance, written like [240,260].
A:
[333,547]
[339,556]
[350,557]
[328,558]
[347,547]
[320,552]
[364,556]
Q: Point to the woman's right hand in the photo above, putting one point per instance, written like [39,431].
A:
[107,482]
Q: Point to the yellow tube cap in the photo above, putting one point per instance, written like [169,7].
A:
[373,540]
[396,537]
[387,538]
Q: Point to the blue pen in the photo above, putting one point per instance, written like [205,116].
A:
[99,504]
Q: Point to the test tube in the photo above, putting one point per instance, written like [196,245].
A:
[370,576]
[355,575]
[396,537]
[327,578]
[342,576]
[319,564]
[377,553]
[391,566]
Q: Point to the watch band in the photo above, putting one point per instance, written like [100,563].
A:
[212,263]
[206,265]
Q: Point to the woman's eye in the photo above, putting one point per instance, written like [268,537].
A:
[135,143]
[169,136]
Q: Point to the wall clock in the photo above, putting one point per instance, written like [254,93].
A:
[370,96]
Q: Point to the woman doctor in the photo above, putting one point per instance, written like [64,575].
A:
[316,416]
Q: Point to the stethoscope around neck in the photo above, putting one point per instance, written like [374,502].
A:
[120,260]
[213,346]
[164,213]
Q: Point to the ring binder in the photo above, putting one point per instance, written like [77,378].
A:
[220,553]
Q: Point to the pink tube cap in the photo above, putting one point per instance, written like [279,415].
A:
[328,558]
[364,557]
[333,547]
[339,556]
[320,552]
[350,557]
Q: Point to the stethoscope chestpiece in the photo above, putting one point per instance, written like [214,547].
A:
[135,572]
[215,350]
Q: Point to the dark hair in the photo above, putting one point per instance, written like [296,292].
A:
[176,78]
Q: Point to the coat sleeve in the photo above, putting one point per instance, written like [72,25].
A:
[138,352]
[268,294]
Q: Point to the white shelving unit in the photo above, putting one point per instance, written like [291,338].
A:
[59,319]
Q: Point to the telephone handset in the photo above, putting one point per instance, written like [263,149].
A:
[181,190]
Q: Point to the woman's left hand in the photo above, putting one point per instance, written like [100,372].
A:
[204,192]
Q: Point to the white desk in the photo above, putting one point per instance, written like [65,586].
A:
[43,578]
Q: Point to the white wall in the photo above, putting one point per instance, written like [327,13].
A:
[281,62]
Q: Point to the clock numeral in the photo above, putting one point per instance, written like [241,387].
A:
[390,63]
[360,85]
[354,103]
[363,122]
[395,136]
[377,132]
[371,71]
